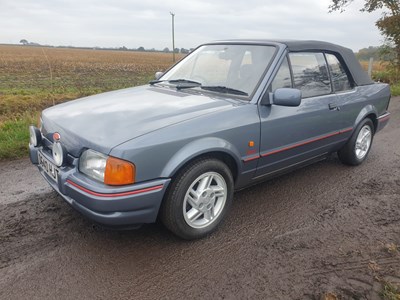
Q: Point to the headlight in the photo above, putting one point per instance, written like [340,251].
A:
[107,169]
[35,137]
[59,153]
[93,164]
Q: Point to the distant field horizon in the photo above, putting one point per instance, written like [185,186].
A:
[124,48]
[114,48]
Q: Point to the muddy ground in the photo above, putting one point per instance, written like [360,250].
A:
[327,229]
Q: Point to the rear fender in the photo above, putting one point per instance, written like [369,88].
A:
[366,111]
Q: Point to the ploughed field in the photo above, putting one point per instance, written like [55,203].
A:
[33,78]
[327,231]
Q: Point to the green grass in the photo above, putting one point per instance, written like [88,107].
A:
[20,108]
[388,75]
[395,89]
[14,136]
[390,292]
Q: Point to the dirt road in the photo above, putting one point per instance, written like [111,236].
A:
[327,228]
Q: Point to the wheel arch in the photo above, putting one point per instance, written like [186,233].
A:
[207,147]
[374,120]
[370,112]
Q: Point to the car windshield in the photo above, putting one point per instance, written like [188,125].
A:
[233,69]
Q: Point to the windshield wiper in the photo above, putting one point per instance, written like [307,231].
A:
[184,81]
[180,83]
[151,82]
[187,84]
[224,89]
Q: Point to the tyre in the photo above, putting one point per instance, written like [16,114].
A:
[198,199]
[357,148]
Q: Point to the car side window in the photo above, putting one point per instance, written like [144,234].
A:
[283,79]
[310,73]
[339,76]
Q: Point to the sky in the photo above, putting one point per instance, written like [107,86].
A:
[141,23]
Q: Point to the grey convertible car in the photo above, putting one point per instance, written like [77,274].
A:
[226,116]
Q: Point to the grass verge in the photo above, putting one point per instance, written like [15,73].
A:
[395,89]
[390,292]
[14,136]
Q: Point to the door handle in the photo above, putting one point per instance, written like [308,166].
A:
[333,106]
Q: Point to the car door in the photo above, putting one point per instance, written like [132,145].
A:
[292,135]
[348,98]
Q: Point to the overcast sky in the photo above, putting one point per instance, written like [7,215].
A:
[135,23]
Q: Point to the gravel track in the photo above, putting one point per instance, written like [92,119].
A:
[327,228]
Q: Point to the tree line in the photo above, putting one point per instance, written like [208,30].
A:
[388,24]
[123,48]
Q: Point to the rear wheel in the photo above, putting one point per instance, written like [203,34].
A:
[357,148]
[198,199]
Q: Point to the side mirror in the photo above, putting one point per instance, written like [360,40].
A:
[158,75]
[285,97]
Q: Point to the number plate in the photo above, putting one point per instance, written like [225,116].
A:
[48,167]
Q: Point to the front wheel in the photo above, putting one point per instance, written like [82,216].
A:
[357,148]
[198,199]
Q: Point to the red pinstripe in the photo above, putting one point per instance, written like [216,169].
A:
[135,192]
[299,144]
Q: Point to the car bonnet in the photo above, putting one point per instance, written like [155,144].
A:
[103,121]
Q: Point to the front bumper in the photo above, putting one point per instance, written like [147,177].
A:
[107,205]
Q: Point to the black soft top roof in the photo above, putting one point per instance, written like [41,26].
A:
[360,77]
